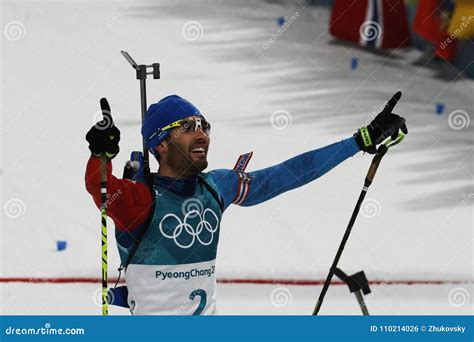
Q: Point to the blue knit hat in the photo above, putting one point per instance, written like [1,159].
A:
[168,110]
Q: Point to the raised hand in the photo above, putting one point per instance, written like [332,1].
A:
[386,124]
[104,136]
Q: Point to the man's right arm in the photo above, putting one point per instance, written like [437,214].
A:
[128,202]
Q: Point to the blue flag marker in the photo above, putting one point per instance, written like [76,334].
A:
[354,63]
[439,108]
[281,21]
[61,245]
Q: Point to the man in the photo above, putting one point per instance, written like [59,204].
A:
[168,227]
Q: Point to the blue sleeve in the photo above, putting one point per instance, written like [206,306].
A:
[291,174]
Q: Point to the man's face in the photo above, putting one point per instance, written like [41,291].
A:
[186,151]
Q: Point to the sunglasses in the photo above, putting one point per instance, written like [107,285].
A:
[190,125]
[186,126]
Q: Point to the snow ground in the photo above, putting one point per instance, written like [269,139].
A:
[417,221]
[238,299]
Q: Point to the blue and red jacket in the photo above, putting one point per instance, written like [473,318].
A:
[134,201]
[177,223]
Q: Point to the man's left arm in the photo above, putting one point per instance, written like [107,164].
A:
[252,188]
[270,182]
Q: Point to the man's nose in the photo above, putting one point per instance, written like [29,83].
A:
[200,133]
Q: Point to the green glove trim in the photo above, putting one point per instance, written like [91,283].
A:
[110,155]
[390,142]
[364,134]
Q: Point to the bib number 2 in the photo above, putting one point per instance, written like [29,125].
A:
[202,303]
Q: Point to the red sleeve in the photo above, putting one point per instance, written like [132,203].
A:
[128,202]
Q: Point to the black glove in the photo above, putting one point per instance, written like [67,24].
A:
[104,137]
[386,124]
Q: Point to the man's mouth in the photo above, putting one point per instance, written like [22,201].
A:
[199,151]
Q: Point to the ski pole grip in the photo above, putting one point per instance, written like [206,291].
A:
[103,181]
[375,164]
[103,168]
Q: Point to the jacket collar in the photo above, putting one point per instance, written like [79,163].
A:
[179,186]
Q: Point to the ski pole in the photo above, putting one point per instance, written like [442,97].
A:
[141,73]
[103,214]
[357,284]
[368,181]
[103,209]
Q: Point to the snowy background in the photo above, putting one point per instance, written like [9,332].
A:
[277,97]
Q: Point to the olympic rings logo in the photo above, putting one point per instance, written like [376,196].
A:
[185,228]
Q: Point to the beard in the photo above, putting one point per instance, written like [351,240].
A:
[184,162]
